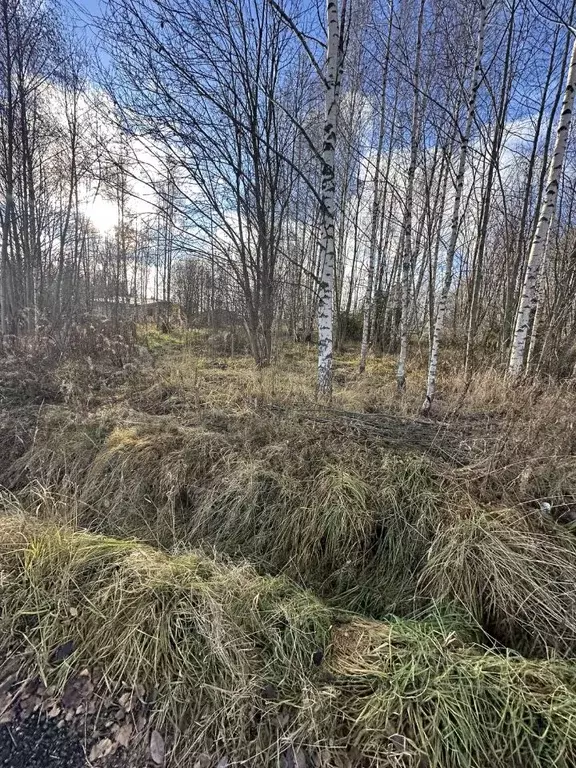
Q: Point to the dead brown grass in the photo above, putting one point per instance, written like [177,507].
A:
[346,517]
[195,454]
[246,668]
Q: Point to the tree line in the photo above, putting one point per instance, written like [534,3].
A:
[400,172]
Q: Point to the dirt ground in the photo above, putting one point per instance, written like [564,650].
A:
[80,726]
[39,743]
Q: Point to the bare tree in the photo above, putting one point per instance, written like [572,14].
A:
[455,221]
[334,64]
[529,297]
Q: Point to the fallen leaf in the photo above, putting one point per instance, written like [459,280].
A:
[157,749]
[29,704]
[101,749]
[269,692]
[223,762]
[125,701]
[62,652]
[77,690]
[123,735]
[8,682]
[53,710]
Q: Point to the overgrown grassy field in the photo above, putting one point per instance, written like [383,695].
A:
[348,585]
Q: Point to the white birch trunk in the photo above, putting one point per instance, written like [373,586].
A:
[529,297]
[368,302]
[455,220]
[537,313]
[327,250]
[407,219]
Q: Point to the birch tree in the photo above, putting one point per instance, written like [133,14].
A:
[375,214]
[406,238]
[529,296]
[333,74]
[455,220]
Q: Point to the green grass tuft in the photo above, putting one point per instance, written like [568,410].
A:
[229,657]
[514,573]
[367,530]
[449,702]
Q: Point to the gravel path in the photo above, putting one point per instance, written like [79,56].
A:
[39,743]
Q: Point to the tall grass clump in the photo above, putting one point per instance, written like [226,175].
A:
[513,573]
[129,474]
[350,520]
[358,537]
[368,530]
[210,641]
[59,448]
[429,696]
[249,667]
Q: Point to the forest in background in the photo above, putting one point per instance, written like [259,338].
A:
[386,173]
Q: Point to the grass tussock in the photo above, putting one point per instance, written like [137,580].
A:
[210,641]
[513,573]
[358,538]
[368,530]
[198,459]
[231,660]
[352,521]
[445,702]
[520,436]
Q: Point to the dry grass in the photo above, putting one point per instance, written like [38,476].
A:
[446,702]
[206,638]
[194,455]
[521,436]
[356,529]
[290,380]
[350,520]
[337,513]
[185,363]
[231,660]
[513,573]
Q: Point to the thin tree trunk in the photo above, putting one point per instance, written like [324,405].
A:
[510,298]
[6,297]
[327,253]
[374,223]
[529,300]
[455,224]
[407,223]
[438,212]
[486,205]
